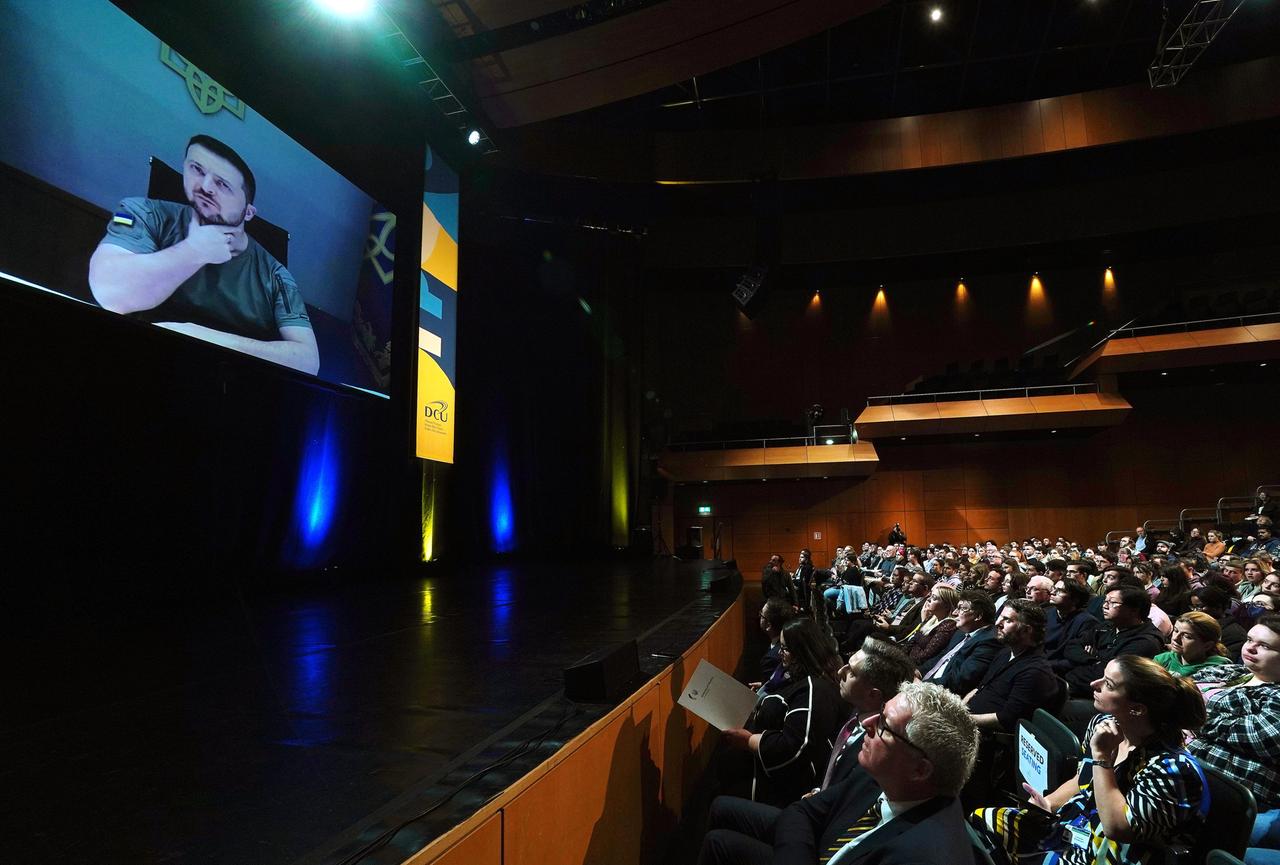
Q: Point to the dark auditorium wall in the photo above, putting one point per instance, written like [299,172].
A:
[1147,209]
[1165,457]
[548,379]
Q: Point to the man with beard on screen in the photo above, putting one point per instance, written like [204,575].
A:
[193,269]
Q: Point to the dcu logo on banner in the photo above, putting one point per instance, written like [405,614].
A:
[437,410]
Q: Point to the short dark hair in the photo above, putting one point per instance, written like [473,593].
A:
[982,604]
[1214,597]
[1085,565]
[1134,598]
[1030,614]
[777,612]
[218,148]
[1056,564]
[1079,595]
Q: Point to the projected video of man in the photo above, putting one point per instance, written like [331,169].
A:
[193,269]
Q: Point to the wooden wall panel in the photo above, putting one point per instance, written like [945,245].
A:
[559,822]
[482,846]
[1149,467]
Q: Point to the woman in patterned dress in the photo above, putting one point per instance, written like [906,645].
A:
[1136,784]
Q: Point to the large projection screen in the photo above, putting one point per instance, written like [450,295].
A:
[438,313]
[98,163]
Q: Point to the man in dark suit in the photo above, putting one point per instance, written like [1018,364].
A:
[1019,680]
[973,647]
[742,830]
[917,755]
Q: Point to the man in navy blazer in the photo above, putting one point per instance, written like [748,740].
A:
[973,647]
[742,830]
[917,756]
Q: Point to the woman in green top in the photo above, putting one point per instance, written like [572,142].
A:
[1196,643]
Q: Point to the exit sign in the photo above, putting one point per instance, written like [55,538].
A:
[704,510]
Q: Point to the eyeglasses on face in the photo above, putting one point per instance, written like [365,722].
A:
[882,727]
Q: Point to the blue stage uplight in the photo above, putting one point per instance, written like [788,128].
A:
[316,497]
[501,518]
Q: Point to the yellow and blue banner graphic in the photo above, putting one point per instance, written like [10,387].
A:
[438,313]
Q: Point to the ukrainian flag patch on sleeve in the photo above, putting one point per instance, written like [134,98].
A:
[122,218]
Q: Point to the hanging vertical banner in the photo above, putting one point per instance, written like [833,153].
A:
[438,313]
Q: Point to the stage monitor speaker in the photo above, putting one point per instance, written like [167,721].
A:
[603,676]
[720,582]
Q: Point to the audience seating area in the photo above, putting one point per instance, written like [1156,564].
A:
[1167,642]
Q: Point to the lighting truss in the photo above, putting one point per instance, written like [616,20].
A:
[1178,50]
[437,90]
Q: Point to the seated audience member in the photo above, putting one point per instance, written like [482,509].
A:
[1214,546]
[931,637]
[1136,786]
[1174,595]
[1264,540]
[1196,643]
[1215,601]
[992,582]
[1081,571]
[1014,586]
[1254,574]
[1126,630]
[1066,619]
[972,648]
[789,734]
[1193,543]
[773,615]
[739,828]
[1110,579]
[1040,590]
[1262,603]
[1019,679]
[774,581]
[1271,582]
[917,756]
[897,622]
[1241,736]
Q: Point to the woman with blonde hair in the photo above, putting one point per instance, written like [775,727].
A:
[929,641]
[1196,643]
[1213,545]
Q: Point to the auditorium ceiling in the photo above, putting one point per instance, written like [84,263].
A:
[672,65]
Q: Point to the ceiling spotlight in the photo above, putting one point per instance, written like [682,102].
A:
[833,441]
[347,8]
[1262,364]
[473,137]
[904,438]
[935,14]
[1164,373]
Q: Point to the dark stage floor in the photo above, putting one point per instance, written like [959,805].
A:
[282,728]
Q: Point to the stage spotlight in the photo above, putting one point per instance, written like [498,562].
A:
[473,137]
[833,441]
[935,14]
[347,8]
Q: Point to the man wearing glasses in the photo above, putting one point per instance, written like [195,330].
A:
[916,756]
[741,830]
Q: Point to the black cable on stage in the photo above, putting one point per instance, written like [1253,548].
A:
[514,754]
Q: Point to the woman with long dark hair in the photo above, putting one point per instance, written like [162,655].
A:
[1136,784]
[790,733]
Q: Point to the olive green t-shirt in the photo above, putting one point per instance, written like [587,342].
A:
[252,295]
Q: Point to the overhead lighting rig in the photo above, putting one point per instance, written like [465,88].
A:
[437,90]
[1178,50]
